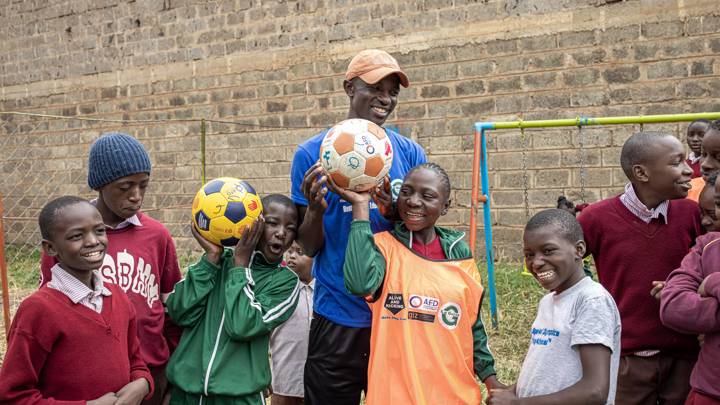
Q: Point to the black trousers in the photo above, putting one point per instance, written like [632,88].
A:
[337,363]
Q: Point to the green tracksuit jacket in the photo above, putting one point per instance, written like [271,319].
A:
[364,272]
[228,313]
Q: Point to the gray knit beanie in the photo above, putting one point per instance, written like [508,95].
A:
[115,155]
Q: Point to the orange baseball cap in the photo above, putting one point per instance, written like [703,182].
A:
[373,65]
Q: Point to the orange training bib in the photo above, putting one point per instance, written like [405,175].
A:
[421,346]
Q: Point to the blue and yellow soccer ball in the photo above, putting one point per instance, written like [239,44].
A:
[223,207]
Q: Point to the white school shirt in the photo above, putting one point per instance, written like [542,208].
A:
[289,346]
[78,292]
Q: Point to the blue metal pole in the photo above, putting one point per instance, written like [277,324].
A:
[487,226]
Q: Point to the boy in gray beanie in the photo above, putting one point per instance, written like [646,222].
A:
[141,256]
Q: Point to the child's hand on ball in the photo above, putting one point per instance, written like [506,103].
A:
[212,251]
[353,197]
[248,241]
[360,200]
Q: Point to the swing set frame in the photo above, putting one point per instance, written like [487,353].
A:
[480,180]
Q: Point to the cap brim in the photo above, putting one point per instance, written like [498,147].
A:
[378,74]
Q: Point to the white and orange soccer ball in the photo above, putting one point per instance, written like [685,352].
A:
[222,209]
[357,154]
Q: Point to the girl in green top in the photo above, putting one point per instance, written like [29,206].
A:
[424,196]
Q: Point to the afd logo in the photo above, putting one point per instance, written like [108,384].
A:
[424,303]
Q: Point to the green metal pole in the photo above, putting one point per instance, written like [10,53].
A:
[585,121]
[202,151]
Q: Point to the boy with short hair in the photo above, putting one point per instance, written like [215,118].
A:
[690,303]
[575,338]
[706,161]
[229,303]
[141,257]
[289,342]
[710,162]
[564,204]
[708,218]
[695,133]
[74,340]
[637,239]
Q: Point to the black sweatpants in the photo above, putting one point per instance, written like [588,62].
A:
[337,363]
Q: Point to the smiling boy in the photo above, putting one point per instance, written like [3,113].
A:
[336,367]
[141,257]
[575,338]
[75,339]
[637,239]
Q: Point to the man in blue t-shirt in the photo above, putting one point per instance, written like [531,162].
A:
[336,367]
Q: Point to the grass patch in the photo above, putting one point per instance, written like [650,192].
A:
[517,299]
[23,265]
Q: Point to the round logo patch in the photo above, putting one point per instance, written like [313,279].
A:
[395,188]
[450,315]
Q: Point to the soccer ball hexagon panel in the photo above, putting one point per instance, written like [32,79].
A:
[223,207]
[356,153]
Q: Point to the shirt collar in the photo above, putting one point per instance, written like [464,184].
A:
[631,201]
[74,288]
[133,220]
[692,157]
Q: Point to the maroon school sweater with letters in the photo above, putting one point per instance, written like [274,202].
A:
[141,260]
[59,351]
[629,255]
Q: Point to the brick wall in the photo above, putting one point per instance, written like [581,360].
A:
[276,67]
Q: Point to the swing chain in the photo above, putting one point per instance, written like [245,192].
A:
[524,142]
[526,184]
[583,169]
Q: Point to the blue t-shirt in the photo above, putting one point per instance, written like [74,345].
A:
[331,299]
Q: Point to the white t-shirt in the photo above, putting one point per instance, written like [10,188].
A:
[583,314]
[289,346]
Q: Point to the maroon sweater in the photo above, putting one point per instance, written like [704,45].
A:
[141,260]
[629,255]
[684,310]
[59,351]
